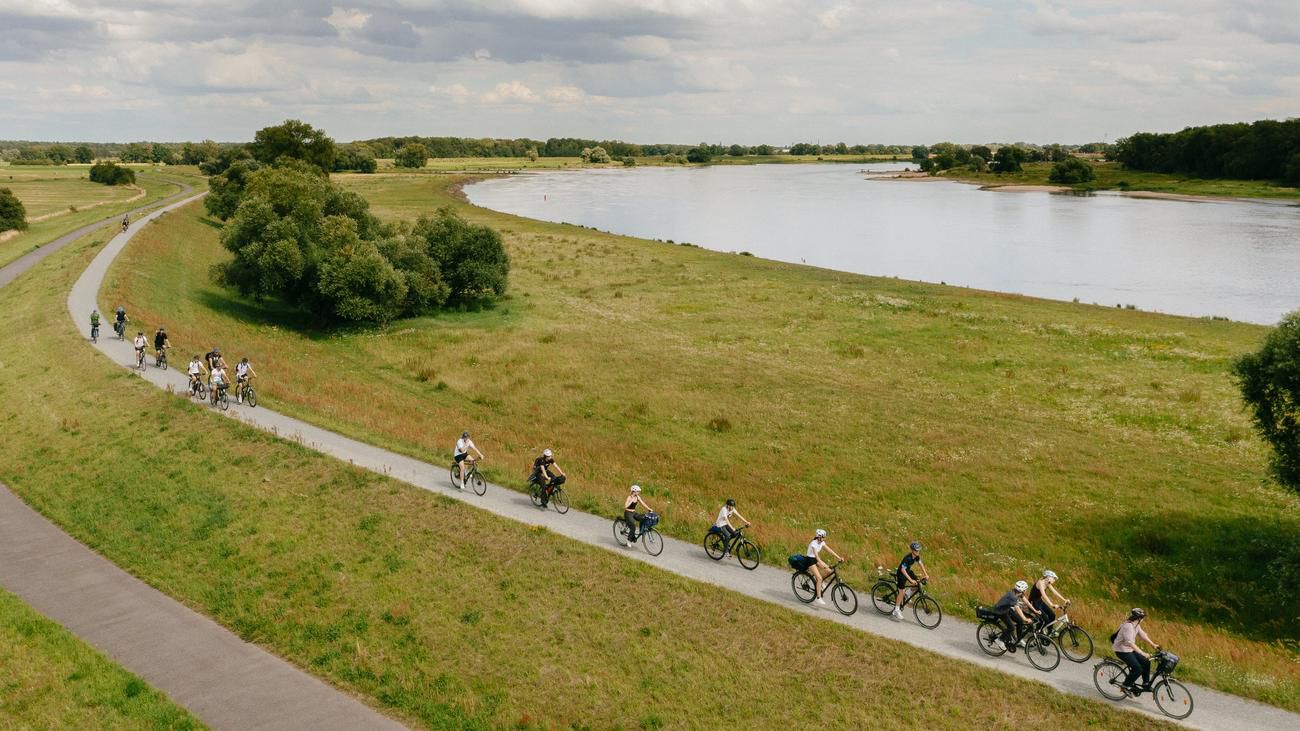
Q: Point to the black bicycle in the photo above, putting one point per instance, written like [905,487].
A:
[651,541]
[139,358]
[1039,648]
[250,397]
[804,585]
[1172,697]
[198,388]
[925,608]
[160,360]
[220,399]
[472,476]
[119,327]
[94,333]
[557,497]
[745,550]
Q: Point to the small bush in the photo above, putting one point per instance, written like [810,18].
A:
[13,215]
[719,424]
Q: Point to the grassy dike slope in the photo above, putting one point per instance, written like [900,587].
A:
[51,680]
[443,614]
[1009,434]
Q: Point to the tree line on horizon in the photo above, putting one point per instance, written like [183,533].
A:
[1263,150]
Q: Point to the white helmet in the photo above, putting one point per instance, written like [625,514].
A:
[1049,574]
[636,488]
[1021,587]
[546,453]
[821,532]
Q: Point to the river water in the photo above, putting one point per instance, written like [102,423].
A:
[1232,259]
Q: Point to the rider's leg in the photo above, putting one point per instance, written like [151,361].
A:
[629,517]
[817,576]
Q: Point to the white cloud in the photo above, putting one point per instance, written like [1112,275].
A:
[565,94]
[509,92]
[347,18]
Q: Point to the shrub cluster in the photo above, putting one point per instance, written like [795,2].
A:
[1270,385]
[110,173]
[1072,171]
[13,215]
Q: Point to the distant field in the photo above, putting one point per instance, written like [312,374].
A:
[1113,176]
[49,190]
[53,681]
[446,616]
[499,164]
[1009,434]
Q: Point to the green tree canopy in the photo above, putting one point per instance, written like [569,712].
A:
[1072,171]
[471,257]
[413,155]
[83,154]
[296,140]
[110,173]
[1270,385]
[1009,159]
[698,154]
[13,215]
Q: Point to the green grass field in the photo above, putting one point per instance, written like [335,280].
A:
[1008,434]
[1113,176]
[53,189]
[445,616]
[51,680]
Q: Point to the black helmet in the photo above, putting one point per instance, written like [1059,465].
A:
[731,503]
[464,435]
[1136,613]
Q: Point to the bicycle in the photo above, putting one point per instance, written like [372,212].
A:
[1172,697]
[245,390]
[717,547]
[198,388]
[472,476]
[651,541]
[160,360]
[1041,651]
[804,585]
[119,327]
[557,497]
[1074,641]
[220,399]
[139,358]
[925,608]
[94,333]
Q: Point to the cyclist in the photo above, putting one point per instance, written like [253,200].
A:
[213,358]
[160,343]
[196,371]
[462,456]
[723,523]
[140,344]
[1041,602]
[119,325]
[1010,610]
[1124,645]
[217,380]
[905,576]
[94,324]
[813,563]
[126,222]
[244,374]
[547,474]
[630,516]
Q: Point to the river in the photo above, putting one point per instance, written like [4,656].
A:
[1232,259]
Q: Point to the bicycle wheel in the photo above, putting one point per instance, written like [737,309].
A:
[455,475]
[1108,676]
[201,391]
[620,525]
[653,542]
[223,401]
[477,482]
[1042,652]
[883,595]
[535,494]
[749,555]
[1173,698]
[804,586]
[560,500]
[715,545]
[1075,643]
[985,634]
[845,599]
[928,612]
[250,397]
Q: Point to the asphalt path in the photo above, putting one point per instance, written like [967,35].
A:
[953,639]
[224,681]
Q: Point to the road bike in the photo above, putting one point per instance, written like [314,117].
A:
[1172,697]
[925,608]
[1073,640]
[746,551]
[651,541]
[472,476]
[160,360]
[557,498]
[804,585]
[1040,649]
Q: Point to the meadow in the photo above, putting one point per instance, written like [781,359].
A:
[52,680]
[443,615]
[1113,176]
[1008,434]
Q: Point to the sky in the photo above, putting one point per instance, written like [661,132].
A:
[685,71]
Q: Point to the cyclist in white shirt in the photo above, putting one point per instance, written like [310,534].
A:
[244,373]
[140,344]
[723,523]
[196,371]
[462,456]
[218,379]
[813,563]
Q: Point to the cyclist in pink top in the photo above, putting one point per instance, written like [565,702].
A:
[1124,644]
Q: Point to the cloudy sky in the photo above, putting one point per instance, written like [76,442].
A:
[649,71]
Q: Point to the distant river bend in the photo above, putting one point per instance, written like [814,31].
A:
[1233,259]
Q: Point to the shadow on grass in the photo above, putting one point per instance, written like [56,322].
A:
[1236,573]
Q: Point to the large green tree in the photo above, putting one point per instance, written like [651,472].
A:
[1270,384]
[13,216]
[1009,159]
[296,140]
[471,257]
[413,155]
[1072,171]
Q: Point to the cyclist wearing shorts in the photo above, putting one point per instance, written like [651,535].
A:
[1041,602]
[905,576]
[1010,610]
[218,381]
[121,320]
[462,456]
[140,344]
[813,564]
[243,374]
[195,371]
[212,359]
[723,523]
[543,467]
[633,501]
[1124,645]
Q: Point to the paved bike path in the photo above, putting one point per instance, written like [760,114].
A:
[223,680]
[953,638]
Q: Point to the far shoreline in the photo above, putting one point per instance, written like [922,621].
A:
[919,177]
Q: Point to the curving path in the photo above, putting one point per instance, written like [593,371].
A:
[954,638]
[223,680]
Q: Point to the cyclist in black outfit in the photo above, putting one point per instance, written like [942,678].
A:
[547,474]
[906,576]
